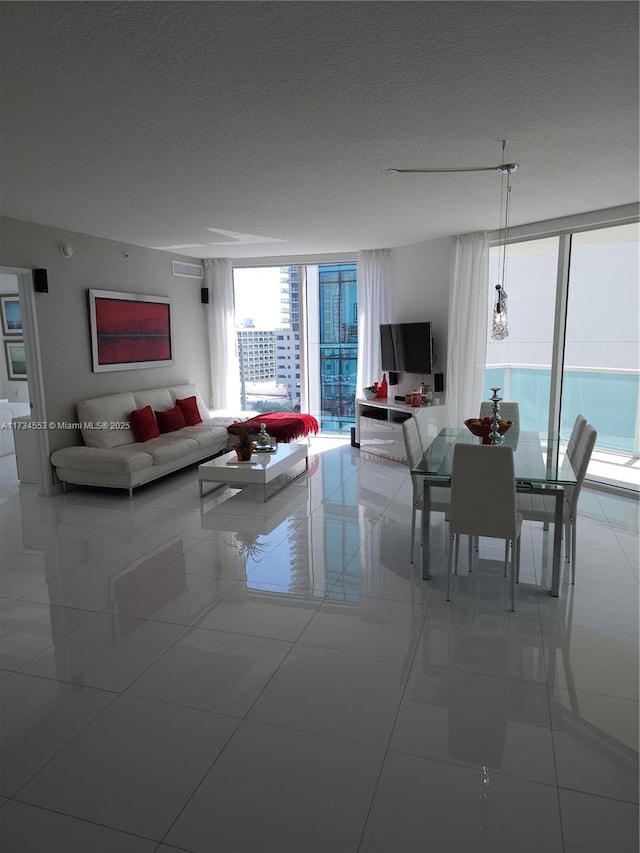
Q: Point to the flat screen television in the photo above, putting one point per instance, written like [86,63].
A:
[387,349]
[414,347]
[407,347]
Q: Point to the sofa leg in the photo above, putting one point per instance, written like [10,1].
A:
[130,493]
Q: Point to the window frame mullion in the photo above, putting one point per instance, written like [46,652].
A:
[558,347]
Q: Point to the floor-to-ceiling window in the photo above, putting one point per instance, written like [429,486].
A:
[297,337]
[601,358]
[599,352]
[267,344]
[338,326]
[520,365]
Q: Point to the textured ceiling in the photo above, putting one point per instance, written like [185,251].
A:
[243,129]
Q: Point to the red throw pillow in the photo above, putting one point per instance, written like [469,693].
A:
[170,420]
[144,424]
[190,411]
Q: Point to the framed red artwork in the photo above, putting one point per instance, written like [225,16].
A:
[129,330]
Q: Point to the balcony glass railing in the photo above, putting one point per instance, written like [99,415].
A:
[607,398]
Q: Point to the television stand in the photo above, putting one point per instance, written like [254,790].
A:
[378,429]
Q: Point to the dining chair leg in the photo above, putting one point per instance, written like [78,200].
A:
[457,552]
[567,541]
[470,554]
[574,539]
[515,569]
[451,547]
[506,556]
[413,532]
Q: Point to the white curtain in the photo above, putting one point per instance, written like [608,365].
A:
[374,308]
[468,323]
[223,354]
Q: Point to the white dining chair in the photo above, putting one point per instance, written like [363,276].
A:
[542,508]
[438,496]
[483,503]
[578,426]
[508,411]
[579,458]
[428,427]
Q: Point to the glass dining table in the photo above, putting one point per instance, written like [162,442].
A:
[537,471]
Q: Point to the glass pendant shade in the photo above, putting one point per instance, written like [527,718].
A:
[499,324]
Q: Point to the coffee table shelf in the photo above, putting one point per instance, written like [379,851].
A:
[262,470]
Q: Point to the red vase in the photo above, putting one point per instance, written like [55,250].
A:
[383,390]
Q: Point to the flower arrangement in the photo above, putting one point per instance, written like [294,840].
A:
[243,441]
[371,391]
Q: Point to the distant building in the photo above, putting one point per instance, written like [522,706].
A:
[288,362]
[290,298]
[338,315]
[288,337]
[256,354]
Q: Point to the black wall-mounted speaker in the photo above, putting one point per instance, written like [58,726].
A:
[40,281]
[438,382]
[204,295]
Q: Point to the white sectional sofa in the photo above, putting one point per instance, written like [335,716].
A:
[110,455]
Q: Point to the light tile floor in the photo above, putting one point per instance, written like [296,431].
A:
[228,676]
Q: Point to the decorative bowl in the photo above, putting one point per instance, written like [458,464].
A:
[369,394]
[482,427]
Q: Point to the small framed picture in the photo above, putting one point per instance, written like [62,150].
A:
[11,314]
[16,359]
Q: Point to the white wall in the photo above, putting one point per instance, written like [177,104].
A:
[63,315]
[421,275]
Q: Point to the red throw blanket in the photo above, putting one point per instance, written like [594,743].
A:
[283,426]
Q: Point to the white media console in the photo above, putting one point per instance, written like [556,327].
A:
[378,429]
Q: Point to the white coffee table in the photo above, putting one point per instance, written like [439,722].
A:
[263,468]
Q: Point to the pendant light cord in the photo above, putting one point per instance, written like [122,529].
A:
[505,197]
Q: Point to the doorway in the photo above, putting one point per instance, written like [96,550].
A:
[14,388]
[21,390]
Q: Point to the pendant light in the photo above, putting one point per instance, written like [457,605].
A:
[499,324]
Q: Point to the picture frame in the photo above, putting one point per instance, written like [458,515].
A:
[11,314]
[130,330]
[16,360]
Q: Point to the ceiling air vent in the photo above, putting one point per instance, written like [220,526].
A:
[187,270]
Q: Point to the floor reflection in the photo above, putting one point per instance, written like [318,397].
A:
[203,655]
